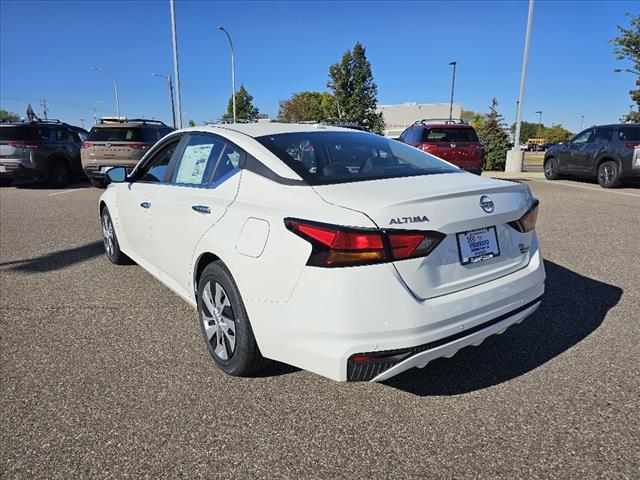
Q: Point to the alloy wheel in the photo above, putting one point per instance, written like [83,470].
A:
[107,234]
[606,174]
[218,320]
[550,168]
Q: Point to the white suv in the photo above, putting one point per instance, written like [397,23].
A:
[341,252]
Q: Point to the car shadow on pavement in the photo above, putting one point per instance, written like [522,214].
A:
[56,260]
[573,307]
[44,185]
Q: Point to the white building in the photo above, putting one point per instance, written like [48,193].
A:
[398,117]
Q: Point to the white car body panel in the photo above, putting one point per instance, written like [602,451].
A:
[316,318]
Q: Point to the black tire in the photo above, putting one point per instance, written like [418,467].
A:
[609,174]
[98,182]
[237,344]
[111,249]
[59,173]
[5,182]
[551,169]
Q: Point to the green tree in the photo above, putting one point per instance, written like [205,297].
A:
[192,123]
[302,107]
[472,118]
[494,138]
[556,134]
[354,91]
[527,130]
[8,116]
[626,47]
[244,107]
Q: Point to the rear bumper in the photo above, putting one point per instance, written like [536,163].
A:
[95,171]
[335,314]
[16,170]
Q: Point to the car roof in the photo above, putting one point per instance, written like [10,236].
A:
[267,128]
[444,125]
[135,124]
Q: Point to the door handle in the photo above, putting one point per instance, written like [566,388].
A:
[145,205]
[201,209]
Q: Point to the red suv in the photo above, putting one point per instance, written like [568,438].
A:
[453,141]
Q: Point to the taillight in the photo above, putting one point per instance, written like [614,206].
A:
[24,145]
[87,145]
[527,222]
[632,145]
[336,246]
[139,146]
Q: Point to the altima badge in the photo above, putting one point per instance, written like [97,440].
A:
[486,204]
[400,220]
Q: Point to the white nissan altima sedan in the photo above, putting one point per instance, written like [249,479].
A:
[340,252]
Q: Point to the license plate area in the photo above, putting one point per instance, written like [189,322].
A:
[478,245]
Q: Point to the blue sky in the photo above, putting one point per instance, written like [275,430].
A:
[46,49]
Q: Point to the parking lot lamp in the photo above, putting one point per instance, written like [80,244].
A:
[95,111]
[539,112]
[515,156]
[233,73]
[581,122]
[453,85]
[176,73]
[173,110]
[115,85]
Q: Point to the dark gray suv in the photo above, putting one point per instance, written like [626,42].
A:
[48,150]
[608,153]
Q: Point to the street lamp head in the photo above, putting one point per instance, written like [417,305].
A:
[221,28]
[453,63]
[94,68]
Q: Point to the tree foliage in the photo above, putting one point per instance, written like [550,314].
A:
[354,91]
[472,118]
[554,134]
[244,107]
[305,107]
[626,47]
[8,116]
[494,138]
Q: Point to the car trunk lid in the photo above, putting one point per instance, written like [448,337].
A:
[450,204]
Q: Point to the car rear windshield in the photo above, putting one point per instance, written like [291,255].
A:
[449,135]
[123,134]
[322,158]
[629,134]
[24,134]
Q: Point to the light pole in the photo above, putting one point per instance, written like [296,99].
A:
[453,84]
[173,110]
[115,85]
[233,73]
[581,122]
[539,112]
[515,156]
[95,111]
[176,73]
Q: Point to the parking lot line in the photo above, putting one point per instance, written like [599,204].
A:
[637,195]
[66,191]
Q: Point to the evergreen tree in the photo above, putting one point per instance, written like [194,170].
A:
[495,139]
[244,107]
[627,47]
[354,91]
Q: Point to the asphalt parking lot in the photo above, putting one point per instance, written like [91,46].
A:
[104,373]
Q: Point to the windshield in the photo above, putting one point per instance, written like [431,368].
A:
[336,157]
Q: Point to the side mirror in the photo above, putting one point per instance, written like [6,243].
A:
[117,174]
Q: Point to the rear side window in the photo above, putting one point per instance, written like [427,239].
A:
[449,135]
[33,134]
[123,134]
[602,135]
[629,134]
[198,160]
[229,161]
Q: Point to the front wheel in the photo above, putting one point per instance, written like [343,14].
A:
[111,245]
[225,325]
[609,174]
[551,171]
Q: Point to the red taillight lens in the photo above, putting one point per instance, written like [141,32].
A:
[632,145]
[139,146]
[87,145]
[335,246]
[527,222]
[24,145]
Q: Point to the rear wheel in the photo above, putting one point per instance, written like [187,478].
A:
[98,182]
[111,245]
[225,324]
[609,174]
[59,173]
[551,169]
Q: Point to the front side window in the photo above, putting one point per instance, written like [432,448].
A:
[198,160]
[340,157]
[582,137]
[155,170]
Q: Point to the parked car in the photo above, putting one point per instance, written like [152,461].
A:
[118,144]
[608,153]
[351,274]
[456,143]
[47,150]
